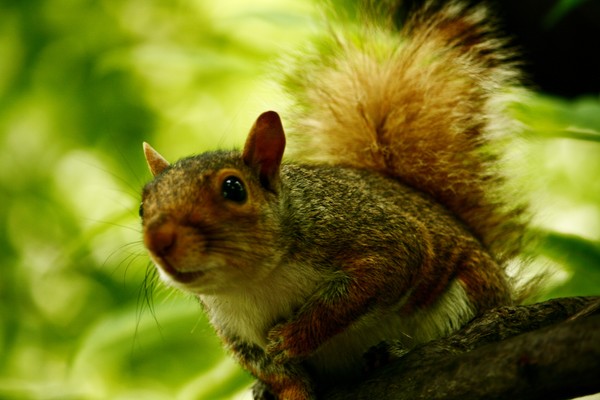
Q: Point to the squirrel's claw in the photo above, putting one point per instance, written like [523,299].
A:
[284,344]
[276,347]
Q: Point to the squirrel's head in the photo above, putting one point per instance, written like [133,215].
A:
[210,221]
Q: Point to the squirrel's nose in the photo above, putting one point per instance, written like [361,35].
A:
[160,238]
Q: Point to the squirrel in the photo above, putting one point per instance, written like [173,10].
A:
[389,220]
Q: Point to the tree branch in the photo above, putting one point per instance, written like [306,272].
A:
[549,350]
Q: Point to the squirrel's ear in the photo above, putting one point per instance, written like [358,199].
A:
[156,162]
[264,148]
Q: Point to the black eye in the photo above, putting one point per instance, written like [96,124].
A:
[141,210]
[233,189]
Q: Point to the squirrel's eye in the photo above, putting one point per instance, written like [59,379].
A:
[141,210]
[233,189]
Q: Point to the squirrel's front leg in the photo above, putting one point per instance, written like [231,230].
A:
[334,307]
[276,381]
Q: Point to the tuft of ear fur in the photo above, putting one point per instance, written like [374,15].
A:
[156,162]
[264,148]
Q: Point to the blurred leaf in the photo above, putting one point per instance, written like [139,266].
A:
[581,257]
[559,11]
[552,117]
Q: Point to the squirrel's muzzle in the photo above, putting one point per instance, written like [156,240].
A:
[160,238]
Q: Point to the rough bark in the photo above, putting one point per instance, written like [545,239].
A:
[549,350]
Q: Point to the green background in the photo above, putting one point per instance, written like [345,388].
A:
[82,84]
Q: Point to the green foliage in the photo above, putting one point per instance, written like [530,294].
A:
[82,84]
[564,169]
[580,258]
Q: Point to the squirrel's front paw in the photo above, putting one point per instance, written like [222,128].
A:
[277,346]
[284,345]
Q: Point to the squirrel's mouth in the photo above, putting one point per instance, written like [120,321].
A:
[176,275]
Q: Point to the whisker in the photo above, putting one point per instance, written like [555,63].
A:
[145,297]
[128,254]
[135,229]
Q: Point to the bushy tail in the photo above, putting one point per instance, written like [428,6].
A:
[424,103]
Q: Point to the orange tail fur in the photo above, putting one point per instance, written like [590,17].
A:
[425,104]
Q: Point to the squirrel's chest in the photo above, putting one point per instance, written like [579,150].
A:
[248,314]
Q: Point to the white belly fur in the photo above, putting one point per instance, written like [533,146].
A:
[249,315]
